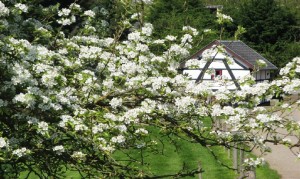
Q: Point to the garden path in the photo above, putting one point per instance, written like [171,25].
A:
[281,158]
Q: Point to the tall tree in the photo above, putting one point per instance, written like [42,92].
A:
[269,27]
[168,17]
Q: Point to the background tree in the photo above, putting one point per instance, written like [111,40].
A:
[272,26]
[269,28]
[168,17]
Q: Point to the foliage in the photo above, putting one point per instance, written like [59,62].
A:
[270,28]
[265,21]
[168,17]
[72,94]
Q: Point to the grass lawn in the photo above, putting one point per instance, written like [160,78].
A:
[190,154]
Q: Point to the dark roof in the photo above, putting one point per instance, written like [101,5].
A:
[239,51]
[247,53]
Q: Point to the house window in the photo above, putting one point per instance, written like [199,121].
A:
[218,72]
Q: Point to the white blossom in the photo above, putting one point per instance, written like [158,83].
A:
[64,12]
[116,102]
[3,143]
[141,131]
[184,103]
[134,36]
[254,162]
[191,29]
[78,155]
[22,7]
[59,149]
[147,29]
[43,127]
[187,38]
[89,13]
[222,18]
[27,99]
[21,152]
[4,11]
[75,6]
[67,21]
[170,37]
[118,139]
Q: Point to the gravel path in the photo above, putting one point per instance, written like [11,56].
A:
[282,159]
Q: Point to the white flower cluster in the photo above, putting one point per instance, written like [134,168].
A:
[190,29]
[291,86]
[78,155]
[89,13]
[257,89]
[285,70]
[185,104]
[251,162]
[170,38]
[100,128]
[43,127]
[157,82]
[260,61]
[66,15]
[89,52]
[21,152]
[222,134]
[141,131]
[222,18]
[59,149]
[118,139]
[148,106]
[75,6]
[197,89]
[64,12]
[222,94]
[247,78]
[264,118]
[27,99]
[3,143]
[147,29]
[134,36]
[178,50]
[22,7]
[116,102]
[4,11]
[67,21]
[209,53]
[186,38]
[207,30]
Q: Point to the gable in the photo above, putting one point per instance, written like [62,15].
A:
[239,51]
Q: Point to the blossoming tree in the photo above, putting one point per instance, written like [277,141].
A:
[70,96]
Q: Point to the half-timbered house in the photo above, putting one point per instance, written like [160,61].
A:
[230,60]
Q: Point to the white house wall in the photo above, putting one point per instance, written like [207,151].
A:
[262,75]
[219,64]
[237,73]
[193,74]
